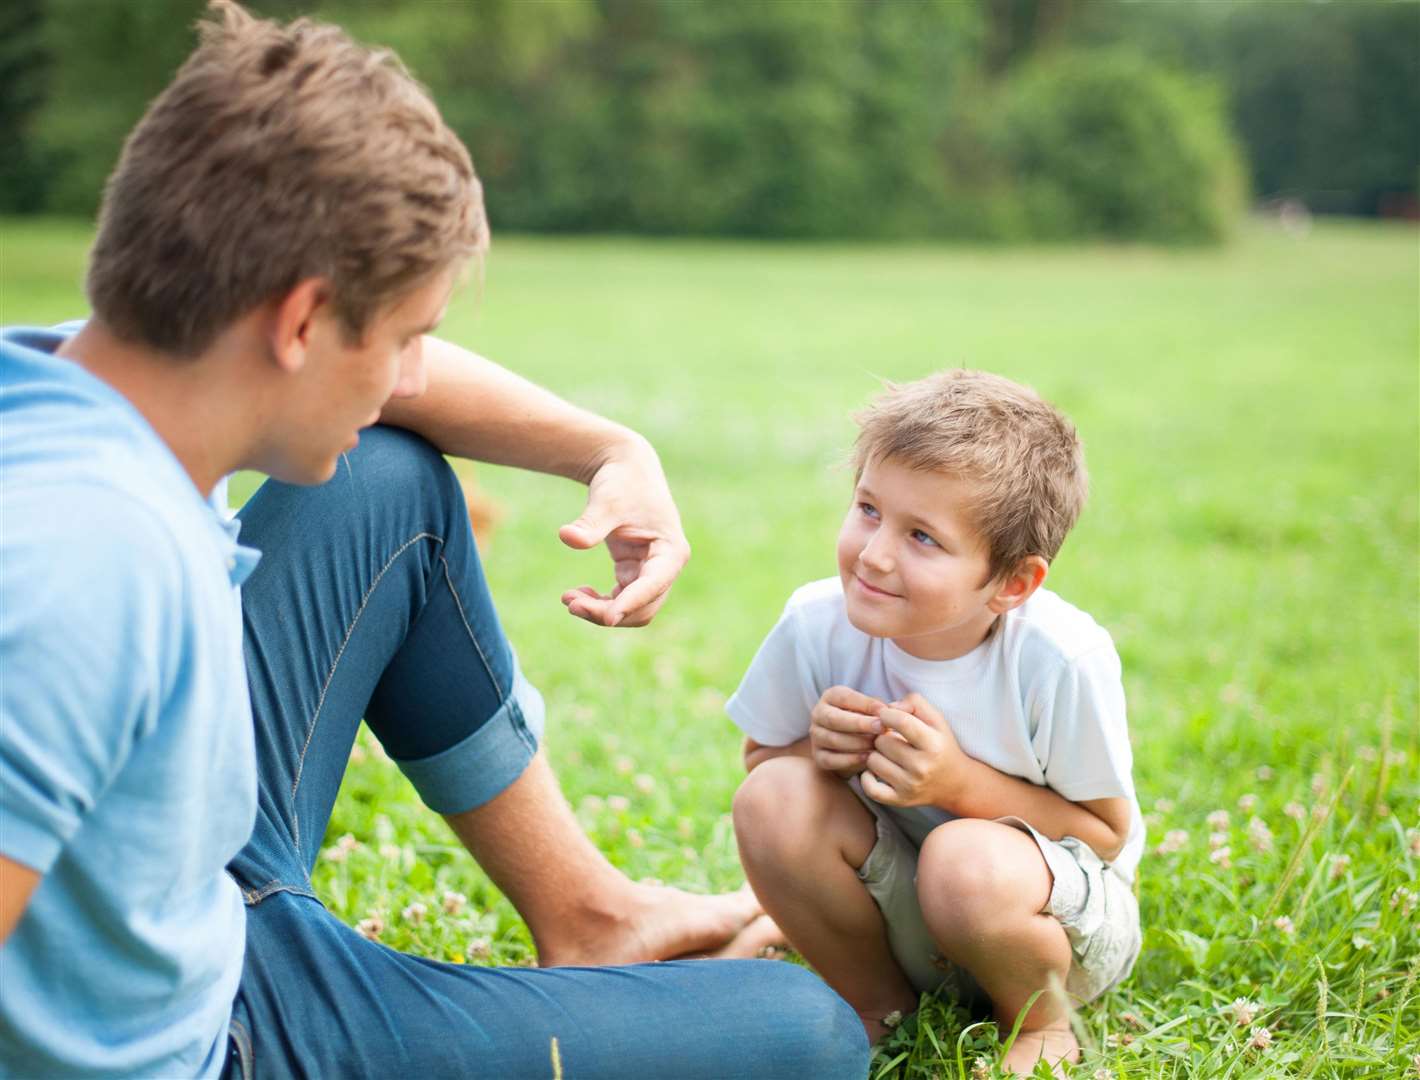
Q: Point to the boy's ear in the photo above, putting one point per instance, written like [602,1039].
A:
[1018,585]
[289,329]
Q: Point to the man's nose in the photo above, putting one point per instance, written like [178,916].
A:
[412,376]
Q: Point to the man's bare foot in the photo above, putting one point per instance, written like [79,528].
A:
[652,922]
[1053,1044]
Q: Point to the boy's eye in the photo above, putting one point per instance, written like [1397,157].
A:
[868,509]
[923,538]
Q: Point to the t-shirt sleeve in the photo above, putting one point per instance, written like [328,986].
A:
[779,690]
[89,603]
[1083,735]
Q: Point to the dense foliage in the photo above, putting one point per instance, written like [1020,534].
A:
[991,119]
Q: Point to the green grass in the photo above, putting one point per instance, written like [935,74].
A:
[1250,416]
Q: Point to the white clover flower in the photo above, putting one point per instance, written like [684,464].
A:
[1217,840]
[347,843]
[1284,924]
[1218,819]
[1295,810]
[624,765]
[618,804]
[454,902]
[1414,836]
[1404,899]
[892,1019]
[1247,803]
[1264,772]
[390,852]
[1244,1011]
[357,754]
[414,913]
[593,804]
[1259,834]
[980,1069]
[645,783]
[1261,1039]
[1173,840]
[1104,1074]
[1163,806]
[1222,857]
[334,854]
[634,838]
[479,947]
[1339,865]
[684,828]
[371,927]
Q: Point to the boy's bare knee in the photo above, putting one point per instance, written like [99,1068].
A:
[973,874]
[772,798]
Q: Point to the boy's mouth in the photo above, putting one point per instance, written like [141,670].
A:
[873,590]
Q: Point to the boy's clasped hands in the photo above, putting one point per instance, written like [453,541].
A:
[904,752]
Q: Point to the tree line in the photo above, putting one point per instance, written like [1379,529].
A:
[966,119]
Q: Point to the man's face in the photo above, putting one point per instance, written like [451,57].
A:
[913,567]
[343,387]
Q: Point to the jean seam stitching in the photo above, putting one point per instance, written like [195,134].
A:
[244,1047]
[320,702]
[472,637]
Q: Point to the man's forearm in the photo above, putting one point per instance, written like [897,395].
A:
[474,408]
[985,792]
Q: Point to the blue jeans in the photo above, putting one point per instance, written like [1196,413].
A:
[370,602]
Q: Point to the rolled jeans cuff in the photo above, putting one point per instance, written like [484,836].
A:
[478,768]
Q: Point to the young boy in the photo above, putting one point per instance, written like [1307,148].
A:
[939,783]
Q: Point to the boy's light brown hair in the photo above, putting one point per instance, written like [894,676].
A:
[279,153]
[1019,454]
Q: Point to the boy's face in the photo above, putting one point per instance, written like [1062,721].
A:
[914,569]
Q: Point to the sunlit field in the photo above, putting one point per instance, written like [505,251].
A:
[1250,420]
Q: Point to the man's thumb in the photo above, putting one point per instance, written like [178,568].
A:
[586,532]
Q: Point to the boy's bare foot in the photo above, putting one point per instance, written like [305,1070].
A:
[652,922]
[1053,1044]
[880,1025]
[759,938]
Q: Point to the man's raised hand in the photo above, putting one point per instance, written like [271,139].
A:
[629,506]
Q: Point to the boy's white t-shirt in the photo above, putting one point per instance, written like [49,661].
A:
[1040,698]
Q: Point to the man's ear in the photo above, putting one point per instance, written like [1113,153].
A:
[1019,584]
[290,327]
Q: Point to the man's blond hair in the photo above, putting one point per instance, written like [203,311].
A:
[1019,454]
[277,154]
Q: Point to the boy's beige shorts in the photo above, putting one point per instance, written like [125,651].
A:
[1094,905]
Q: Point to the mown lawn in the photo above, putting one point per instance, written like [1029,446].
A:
[1250,417]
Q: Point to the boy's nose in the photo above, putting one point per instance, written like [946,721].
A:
[876,554]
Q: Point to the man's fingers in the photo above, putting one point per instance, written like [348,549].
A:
[643,595]
[852,723]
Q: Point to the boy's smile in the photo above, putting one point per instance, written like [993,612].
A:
[913,566]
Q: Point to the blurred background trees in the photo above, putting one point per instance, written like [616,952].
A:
[981,119]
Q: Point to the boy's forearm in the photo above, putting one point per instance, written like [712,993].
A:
[987,793]
[756,754]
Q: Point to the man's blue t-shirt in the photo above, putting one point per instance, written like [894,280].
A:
[127,765]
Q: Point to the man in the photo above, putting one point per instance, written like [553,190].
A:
[283,229]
